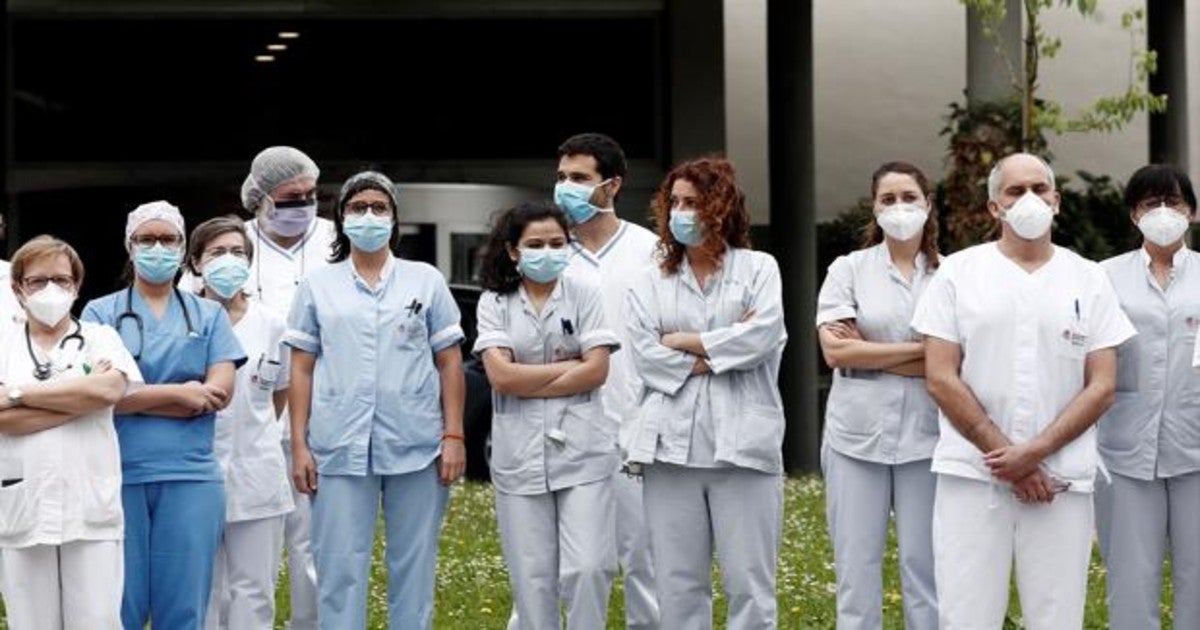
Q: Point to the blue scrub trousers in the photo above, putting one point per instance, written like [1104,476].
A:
[172,529]
[344,512]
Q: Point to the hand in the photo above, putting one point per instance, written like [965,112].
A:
[747,316]
[304,470]
[844,329]
[453,461]
[1035,488]
[195,398]
[674,340]
[218,397]
[701,367]
[102,366]
[1013,462]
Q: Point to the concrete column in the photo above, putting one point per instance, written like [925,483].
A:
[746,139]
[793,220]
[1192,52]
[1166,32]
[989,76]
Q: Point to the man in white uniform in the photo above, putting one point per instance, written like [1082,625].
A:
[289,241]
[1020,355]
[591,171]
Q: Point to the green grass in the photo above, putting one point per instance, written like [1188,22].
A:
[472,583]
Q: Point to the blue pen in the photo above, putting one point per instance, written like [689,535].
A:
[1077,317]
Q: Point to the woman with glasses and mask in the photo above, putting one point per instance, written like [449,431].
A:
[545,347]
[881,425]
[1149,440]
[706,327]
[376,404]
[173,491]
[61,522]
[257,492]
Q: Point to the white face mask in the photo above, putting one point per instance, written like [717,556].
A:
[1030,217]
[50,305]
[1163,226]
[902,221]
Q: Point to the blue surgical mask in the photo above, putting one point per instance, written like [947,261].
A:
[686,227]
[368,232]
[157,264]
[575,200]
[226,274]
[543,264]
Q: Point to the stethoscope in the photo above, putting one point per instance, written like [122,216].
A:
[137,319]
[42,371]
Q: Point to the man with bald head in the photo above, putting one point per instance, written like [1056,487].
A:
[1020,355]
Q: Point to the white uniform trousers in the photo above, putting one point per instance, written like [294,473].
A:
[560,543]
[244,572]
[302,569]
[75,586]
[633,552]
[979,529]
[860,498]
[1138,521]
[692,511]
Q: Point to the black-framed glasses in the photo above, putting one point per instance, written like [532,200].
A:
[148,240]
[1150,203]
[377,208]
[33,284]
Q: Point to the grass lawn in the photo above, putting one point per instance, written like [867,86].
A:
[472,584]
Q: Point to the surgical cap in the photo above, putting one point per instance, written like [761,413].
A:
[368,180]
[272,167]
[161,210]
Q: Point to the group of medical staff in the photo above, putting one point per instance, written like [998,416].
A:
[1007,401]
[264,386]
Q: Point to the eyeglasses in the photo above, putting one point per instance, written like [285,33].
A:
[214,252]
[148,240]
[377,208]
[1150,203]
[33,284]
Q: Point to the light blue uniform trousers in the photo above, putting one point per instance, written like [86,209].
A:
[860,499]
[344,512]
[172,530]
[1138,522]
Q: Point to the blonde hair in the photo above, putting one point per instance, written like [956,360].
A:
[40,247]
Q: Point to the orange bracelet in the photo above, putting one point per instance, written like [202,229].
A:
[454,436]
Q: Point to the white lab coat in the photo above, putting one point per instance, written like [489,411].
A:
[61,527]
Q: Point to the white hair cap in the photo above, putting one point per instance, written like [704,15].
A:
[160,210]
[274,166]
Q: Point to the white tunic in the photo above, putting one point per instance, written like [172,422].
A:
[71,488]
[733,416]
[1024,339]
[545,444]
[622,258]
[247,437]
[872,415]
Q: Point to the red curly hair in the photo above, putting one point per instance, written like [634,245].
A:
[721,208]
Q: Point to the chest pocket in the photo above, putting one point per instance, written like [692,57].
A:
[1072,339]
[734,302]
[563,338]
[411,332]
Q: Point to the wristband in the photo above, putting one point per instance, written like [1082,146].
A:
[453,436]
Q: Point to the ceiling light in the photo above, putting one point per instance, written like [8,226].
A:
[276,46]
[264,58]
[289,35]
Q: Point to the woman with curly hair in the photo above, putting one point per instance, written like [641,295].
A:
[706,327]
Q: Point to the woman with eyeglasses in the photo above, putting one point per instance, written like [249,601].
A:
[1149,440]
[61,522]
[376,402]
[173,491]
[257,492]
[545,346]
[706,329]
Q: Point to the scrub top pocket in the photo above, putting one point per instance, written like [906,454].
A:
[18,510]
[587,429]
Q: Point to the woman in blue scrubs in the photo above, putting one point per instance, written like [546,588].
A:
[377,395]
[172,493]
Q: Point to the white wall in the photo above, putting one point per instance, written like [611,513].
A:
[884,74]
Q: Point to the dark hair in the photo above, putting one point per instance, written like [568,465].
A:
[721,209]
[873,234]
[497,271]
[340,250]
[204,233]
[610,159]
[1159,180]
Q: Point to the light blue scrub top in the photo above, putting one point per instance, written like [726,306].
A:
[377,393]
[159,448]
